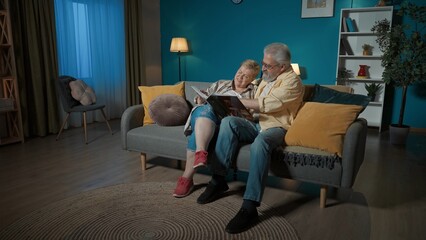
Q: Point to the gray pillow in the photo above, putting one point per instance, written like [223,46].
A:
[169,110]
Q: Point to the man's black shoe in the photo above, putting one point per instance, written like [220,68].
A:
[212,192]
[242,221]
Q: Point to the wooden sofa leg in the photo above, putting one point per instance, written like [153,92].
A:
[143,162]
[323,196]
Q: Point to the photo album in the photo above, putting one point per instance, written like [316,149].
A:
[225,105]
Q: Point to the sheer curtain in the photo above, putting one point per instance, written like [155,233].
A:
[90,39]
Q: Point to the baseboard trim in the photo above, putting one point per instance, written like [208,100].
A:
[418,130]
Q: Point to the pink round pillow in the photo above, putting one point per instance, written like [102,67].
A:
[81,92]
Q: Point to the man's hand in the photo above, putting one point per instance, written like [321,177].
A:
[251,104]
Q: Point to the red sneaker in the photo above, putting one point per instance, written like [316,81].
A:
[200,159]
[184,187]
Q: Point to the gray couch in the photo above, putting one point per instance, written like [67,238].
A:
[298,163]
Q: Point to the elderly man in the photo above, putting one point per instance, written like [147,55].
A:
[277,100]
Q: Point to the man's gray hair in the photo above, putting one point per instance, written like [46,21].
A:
[279,52]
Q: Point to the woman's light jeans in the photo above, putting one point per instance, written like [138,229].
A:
[205,111]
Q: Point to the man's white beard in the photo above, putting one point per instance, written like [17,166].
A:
[268,77]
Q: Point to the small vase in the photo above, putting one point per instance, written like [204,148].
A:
[381,3]
[362,72]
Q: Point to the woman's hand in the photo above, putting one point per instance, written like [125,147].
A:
[199,100]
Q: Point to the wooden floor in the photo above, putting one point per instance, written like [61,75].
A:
[388,200]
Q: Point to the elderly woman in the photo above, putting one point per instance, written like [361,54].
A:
[202,123]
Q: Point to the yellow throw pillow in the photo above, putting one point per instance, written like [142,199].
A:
[322,126]
[149,93]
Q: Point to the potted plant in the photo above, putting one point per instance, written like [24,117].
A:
[367,49]
[343,75]
[403,59]
[372,90]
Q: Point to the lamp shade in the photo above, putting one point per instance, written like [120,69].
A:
[179,44]
[296,69]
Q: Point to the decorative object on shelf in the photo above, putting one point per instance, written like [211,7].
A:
[367,49]
[404,57]
[362,72]
[343,75]
[372,90]
[179,45]
[319,8]
[381,3]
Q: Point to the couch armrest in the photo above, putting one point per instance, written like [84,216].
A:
[353,151]
[131,118]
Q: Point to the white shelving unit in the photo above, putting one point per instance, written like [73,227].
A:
[363,20]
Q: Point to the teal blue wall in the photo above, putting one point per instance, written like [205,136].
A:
[222,34]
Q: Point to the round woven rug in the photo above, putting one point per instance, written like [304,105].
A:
[143,211]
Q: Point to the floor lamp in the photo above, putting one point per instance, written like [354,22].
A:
[296,69]
[179,45]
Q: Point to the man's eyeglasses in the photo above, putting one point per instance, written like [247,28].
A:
[268,66]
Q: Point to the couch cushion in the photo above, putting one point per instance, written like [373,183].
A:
[158,140]
[81,92]
[169,110]
[322,126]
[150,92]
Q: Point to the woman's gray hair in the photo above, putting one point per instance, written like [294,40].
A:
[279,52]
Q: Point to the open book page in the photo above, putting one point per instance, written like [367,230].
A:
[224,105]
[204,95]
[200,93]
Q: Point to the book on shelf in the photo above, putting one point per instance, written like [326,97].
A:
[351,25]
[225,105]
[346,46]
[344,25]
[342,50]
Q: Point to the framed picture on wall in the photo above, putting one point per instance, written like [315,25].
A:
[317,8]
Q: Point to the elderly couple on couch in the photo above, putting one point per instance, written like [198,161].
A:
[274,102]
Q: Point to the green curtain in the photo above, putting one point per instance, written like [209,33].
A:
[135,65]
[34,37]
